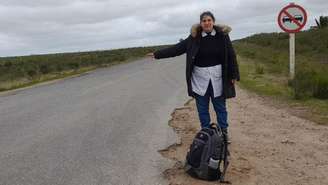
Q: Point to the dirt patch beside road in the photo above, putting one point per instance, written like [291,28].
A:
[269,145]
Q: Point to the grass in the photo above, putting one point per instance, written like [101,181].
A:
[264,67]
[261,83]
[276,88]
[23,71]
[21,83]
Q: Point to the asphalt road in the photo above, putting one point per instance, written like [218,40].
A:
[104,127]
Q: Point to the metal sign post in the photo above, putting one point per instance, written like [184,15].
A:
[292,55]
[292,19]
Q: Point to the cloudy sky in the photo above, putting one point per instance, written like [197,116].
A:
[51,26]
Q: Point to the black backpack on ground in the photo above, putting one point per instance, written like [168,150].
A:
[207,157]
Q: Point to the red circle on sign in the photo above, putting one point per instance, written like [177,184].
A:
[285,10]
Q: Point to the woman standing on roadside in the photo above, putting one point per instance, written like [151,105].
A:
[211,68]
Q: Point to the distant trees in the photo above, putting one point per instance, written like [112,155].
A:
[323,22]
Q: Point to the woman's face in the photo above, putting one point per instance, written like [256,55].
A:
[207,23]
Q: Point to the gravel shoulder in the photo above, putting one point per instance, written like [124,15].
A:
[269,144]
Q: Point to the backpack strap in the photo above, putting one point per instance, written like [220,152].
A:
[225,152]
[225,161]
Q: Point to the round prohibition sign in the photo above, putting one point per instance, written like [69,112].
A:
[292,18]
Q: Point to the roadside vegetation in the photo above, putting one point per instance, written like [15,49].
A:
[21,71]
[264,65]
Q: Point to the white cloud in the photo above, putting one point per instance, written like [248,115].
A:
[47,26]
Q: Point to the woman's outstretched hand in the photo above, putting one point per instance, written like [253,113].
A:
[151,55]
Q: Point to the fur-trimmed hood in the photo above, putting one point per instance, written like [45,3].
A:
[196,29]
[191,47]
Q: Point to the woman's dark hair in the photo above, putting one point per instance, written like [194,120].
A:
[207,13]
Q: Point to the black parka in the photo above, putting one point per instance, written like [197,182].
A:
[191,45]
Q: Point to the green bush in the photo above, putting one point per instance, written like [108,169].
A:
[59,68]
[310,83]
[44,69]
[73,65]
[8,64]
[259,69]
[121,58]
[303,83]
[32,73]
[321,87]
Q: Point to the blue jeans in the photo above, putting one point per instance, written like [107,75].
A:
[219,104]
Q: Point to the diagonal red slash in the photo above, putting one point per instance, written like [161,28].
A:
[292,18]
